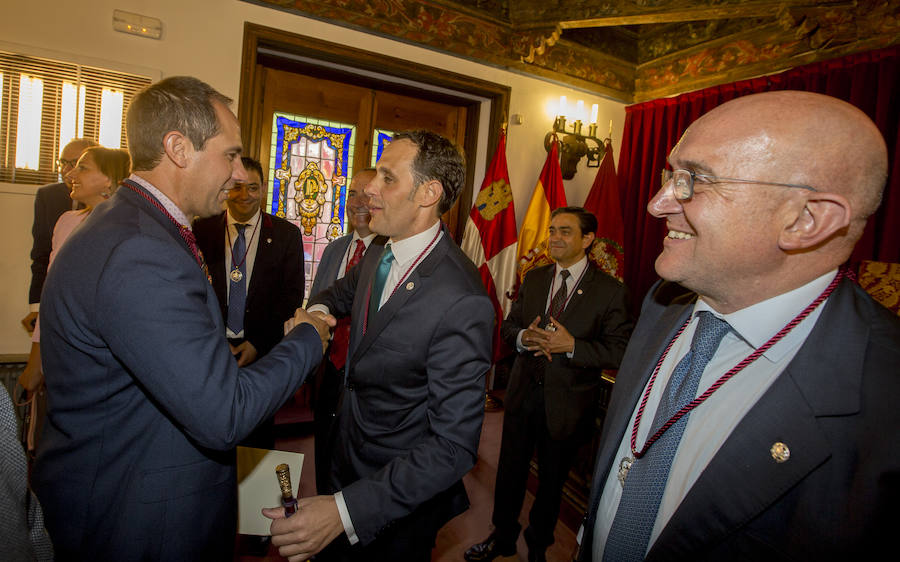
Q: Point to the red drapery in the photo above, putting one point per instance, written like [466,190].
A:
[870,81]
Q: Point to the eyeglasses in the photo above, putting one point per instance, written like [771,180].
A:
[683,182]
[62,163]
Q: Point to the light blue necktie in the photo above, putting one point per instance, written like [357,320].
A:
[381,275]
[237,295]
[646,481]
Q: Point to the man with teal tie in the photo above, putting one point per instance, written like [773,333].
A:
[410,410]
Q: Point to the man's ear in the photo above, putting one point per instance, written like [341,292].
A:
[822,216]
[587,240]
[429,193]
[177,148]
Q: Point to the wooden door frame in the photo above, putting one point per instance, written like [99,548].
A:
[251,90]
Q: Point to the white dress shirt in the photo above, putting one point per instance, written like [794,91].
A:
[251,240]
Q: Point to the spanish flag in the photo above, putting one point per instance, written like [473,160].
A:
[549,194]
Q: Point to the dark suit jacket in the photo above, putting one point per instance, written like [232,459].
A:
[835,406]
[276,284]
[327,271]
[597,316]
[146,402]
[410,415]
[50,202]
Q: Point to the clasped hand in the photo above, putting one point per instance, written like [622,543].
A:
[547,342]
[321,322]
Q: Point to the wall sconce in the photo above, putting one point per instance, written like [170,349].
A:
[573,145]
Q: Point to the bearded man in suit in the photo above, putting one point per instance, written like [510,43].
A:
[751,417]
[410,411]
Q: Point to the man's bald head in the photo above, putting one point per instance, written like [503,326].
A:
[750,230]
[811,139]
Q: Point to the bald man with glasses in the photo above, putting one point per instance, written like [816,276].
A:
[752,414]
[50,202]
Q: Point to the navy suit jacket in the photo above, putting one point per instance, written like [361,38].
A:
[597,317]
[146,402]
[327,271]
[409,418]
[277,280]
[834,406]
[50,202]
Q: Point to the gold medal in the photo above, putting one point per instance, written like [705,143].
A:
[236,275]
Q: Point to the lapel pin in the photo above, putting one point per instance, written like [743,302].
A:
[580,292]
[780,452]
[410,285]
[268,240]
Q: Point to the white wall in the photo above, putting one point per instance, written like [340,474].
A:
[203,38]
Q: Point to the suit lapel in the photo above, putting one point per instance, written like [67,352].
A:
[644,351]
[743,479]
[265,253]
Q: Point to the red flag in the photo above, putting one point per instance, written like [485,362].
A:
[549,194]
[608,251]
[490,236]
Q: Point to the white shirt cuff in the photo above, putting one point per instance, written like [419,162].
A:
[345,518]
[34,307]
[519,347]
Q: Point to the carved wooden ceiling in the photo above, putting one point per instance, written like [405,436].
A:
[629,50]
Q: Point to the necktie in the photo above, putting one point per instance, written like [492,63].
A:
[381,274]
[357,255]
[237,296]
[646,481]
[559,299]
[340,342]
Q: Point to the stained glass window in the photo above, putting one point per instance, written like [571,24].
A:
[380,139]
[310,169]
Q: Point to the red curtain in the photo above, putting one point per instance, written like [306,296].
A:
[870,81]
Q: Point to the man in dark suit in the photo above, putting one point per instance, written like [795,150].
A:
[50,202]
[269,257]
[569,322]
[337,260]
[146,400]
[272,261]
[410,412]
[792,458]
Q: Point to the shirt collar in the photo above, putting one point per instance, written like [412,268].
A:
[575,270]
[366,240]
[167,203]
[757,323]
[232,221]
[408,249]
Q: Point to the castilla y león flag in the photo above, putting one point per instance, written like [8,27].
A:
[608,251]
[490,236]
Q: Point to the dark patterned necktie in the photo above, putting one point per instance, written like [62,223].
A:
[559,299]
[237,295]
[646,481]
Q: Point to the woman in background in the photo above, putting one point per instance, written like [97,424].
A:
[94,179]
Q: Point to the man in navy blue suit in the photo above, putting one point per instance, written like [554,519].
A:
[147,402]
[411,406]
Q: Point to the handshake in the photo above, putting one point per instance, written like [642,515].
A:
[319,320]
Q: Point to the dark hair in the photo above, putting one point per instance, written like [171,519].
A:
[253,164]
[179,103]
[437,159]
[586,220]
[113,163]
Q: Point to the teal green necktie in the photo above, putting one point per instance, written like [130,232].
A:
[381,275]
